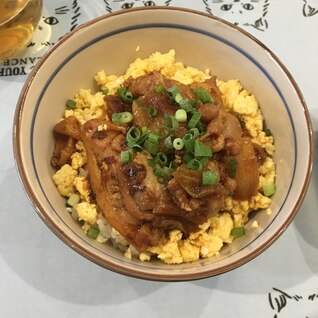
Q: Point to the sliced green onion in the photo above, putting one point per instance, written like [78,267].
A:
[181,115]
[238,231]
[268,132]
[171,122]
[122,118]
[194,119]
[144,135]
[125,156]
[168,142]
[187,157]
[173,165]
[186,105]
[71,104]
[204,161]
[232,167]
[105,91]
[194,164]
[210,177]
[201,127]
[195,132]
[195,102]
[178,98]
[269,189]
[167,171]
[173,91]
[152,111]
[125,95]
[136,147]
[151,147]
[73,200]
[200,150]
[188,141]
[93,232]
[204,96]
[158,172]
[159,89]
[178,144]
[163,131]
[153,138]
[161,158]
[133,135]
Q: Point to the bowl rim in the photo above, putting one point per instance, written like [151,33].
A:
[118,267]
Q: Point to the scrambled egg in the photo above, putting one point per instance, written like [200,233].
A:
[87,212]
[214,233]
[64,180]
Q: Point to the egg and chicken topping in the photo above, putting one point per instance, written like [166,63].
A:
[164,161]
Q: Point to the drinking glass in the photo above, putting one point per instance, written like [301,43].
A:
[18,20]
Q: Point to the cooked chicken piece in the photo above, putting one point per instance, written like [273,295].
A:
[66,134]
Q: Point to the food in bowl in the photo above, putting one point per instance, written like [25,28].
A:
[165,161]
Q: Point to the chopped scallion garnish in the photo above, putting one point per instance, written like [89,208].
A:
[71,104]
[187,157]
[195,132]
[125,156]
[159,89]
[201,127]
[173,91]
[158,172]
[269,189]
[200,150]
[194,119]
[153,138]
[204,96]
[73,200]
[168,142]
[210,177]
[232,167]
[178,144]
[186,105]
[136,147]
[194,164]
[122,118]
[151,147]
[267,132]
[238,231]
[161,158]
[181,115]
[171,122]
[152,111]
[93,232]
[125,95]
[188,141]
[163,131]
[105,91]
[133,135]
[178,98]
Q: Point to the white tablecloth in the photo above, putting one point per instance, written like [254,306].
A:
[42,277]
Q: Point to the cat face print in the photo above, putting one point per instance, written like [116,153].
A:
[244,13]
[126,4]
[310,7]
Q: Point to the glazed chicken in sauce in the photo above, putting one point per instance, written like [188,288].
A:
[152,168]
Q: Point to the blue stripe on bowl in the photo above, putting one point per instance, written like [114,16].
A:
[158,25]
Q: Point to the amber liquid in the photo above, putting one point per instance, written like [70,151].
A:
[18,19]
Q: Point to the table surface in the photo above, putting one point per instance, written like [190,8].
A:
[42,277]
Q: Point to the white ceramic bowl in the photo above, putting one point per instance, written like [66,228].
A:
[202,41]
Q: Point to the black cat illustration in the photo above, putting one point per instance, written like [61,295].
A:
[245,13]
